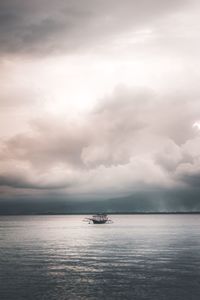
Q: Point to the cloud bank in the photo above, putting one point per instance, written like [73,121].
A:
[52,26]
[132,142]
[99,104]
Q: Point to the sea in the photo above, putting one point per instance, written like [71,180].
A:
[152,257]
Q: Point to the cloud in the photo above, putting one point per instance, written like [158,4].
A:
[59,58]
[125,145]
[189,171]
[54,26]
[20,175]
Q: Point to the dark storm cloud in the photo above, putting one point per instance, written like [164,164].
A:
[21,181]
[53,26]
[192,179]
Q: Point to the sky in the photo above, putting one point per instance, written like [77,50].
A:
[99,105]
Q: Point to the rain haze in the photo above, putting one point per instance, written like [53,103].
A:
[99,106]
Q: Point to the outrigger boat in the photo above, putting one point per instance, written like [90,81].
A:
[98,219]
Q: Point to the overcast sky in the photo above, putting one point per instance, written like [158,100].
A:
[100,100]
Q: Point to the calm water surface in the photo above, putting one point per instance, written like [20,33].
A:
[137,257]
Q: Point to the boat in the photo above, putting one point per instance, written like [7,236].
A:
[98,219]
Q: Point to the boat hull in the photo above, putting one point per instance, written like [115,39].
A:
[99,222]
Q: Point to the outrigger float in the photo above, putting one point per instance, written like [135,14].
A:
[98,219]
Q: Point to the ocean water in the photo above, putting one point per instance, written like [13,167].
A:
[137,257]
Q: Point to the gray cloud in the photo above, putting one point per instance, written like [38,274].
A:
[49,145]
[125,145]
[53,26]
[137,148]
[22,182]
[192,179]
